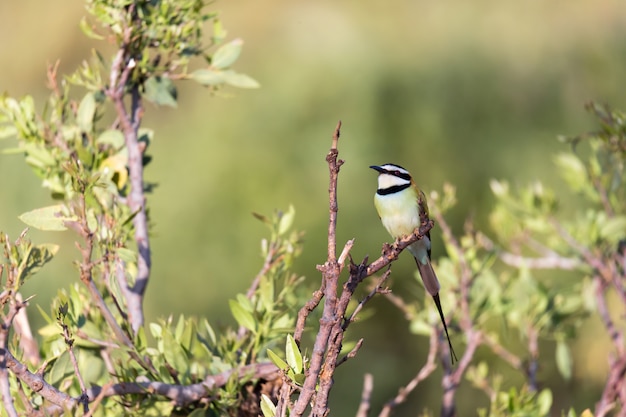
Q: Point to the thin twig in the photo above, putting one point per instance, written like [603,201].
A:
[69,342]
[377,289]
[352,352]
[366,396]
[533,361]
[98,399]
[502,352]
[427,369]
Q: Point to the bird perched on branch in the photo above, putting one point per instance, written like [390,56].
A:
[399,203]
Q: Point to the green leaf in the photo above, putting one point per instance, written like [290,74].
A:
[156,330]
[38,156]
[277,360]
[564,361]
[86,112]
[160,90]
[266,292]
[572,170]
[7,131]
[111,137]
[293,355]
[207,77]
[544,401]
[267,406]
[227,54]
[245,303]
[38,256]
[88,30]
[127,255]
[61,368]
[210,333]
[244,318]
[174,353]
[47,218]
[286,220]
[614,228]
[239,80]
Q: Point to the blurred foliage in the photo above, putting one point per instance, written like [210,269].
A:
[480,87]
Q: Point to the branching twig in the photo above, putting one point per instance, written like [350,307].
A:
[427,369]
[69,342]
[180,394]
[330,277]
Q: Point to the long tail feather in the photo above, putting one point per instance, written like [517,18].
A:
[453,357]
[432,286]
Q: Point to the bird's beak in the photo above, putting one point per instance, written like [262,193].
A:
[377,168]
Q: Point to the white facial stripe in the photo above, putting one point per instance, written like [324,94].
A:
[392,167]
[387,181]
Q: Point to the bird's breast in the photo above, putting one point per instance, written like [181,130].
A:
[398,212]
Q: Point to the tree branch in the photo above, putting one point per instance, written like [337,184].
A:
[427,369]
[130,121]
[366,396]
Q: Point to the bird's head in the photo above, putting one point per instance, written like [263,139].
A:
[391,175]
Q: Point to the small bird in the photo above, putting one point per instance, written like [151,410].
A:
[399,203]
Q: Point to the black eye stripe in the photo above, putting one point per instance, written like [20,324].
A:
[402,175]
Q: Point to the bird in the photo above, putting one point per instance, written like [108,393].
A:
[399,202]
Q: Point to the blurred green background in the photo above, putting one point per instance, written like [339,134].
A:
[455,91]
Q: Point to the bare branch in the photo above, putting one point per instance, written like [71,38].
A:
[377,289]
[330,277]
[180,394]
[26,340]
[502,352]
[366,396]
[352,352]
[427,369]
[130,120]
[69,342]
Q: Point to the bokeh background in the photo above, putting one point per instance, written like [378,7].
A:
[455,91]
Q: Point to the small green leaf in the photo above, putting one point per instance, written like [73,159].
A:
[245,303]
[156,330]
[47,218]
[210,332]
[111,137]
[244,318]
[86,112]
[286,220]
[293,355]
[239,80]
[207,77]
[267,406]
[174,353]
[88,30]
[227,54]
[160,90]
[7,131]
[564,361]
[572,170]
[614,228]
[544,401]
[281,364]
[61,368]
[420,326]
[127,255]
[266,292]
[38,256]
